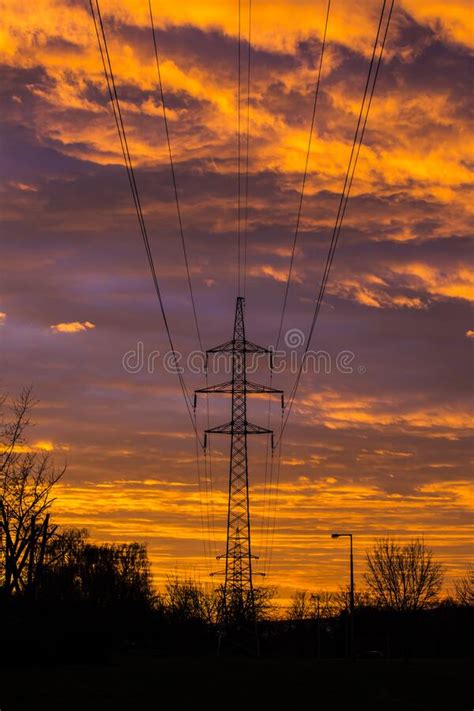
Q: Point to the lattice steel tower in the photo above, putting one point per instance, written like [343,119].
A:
[238,603]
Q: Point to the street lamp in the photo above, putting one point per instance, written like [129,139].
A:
[351,594]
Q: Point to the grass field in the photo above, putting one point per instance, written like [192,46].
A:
[188,683]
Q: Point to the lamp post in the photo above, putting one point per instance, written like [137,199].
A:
[351,593]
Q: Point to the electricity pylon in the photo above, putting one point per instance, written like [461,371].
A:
[237,612]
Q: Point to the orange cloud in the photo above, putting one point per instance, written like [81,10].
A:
[38,446]
[416,153]
[169,516]
[455,283]
[267,270]
[338,411]
[44,445]
[448,20]
[430,283]
[377,297]
[24,187]
[421,165]
[72,327]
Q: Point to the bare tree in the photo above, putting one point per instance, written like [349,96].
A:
[321,605]
[264,607]
[403,577]
[26,482]
[248,608]
[464,588]
[300,607]
[185,600]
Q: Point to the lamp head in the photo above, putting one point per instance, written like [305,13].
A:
[334,535]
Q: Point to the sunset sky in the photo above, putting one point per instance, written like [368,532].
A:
[385,449]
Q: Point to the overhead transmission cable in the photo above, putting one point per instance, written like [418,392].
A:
[247,145]
[110,80]
[305,175]
[369,90]
[269,467]
[239,72]
[112,89]
[173,175]
[209,516]
[354,156]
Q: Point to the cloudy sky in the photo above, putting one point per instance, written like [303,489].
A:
[379,447]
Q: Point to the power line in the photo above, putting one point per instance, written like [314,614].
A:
[112,89]
[293,250]
[207,549]
[270,538]
[238,151]
[305,174]
[246,198]
[267,489]
[356,145]
[207,479]
[173,175]
[354,155]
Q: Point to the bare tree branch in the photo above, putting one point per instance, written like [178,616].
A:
[26,482]
[464,588]
[403,577]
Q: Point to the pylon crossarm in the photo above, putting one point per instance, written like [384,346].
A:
[243,346]
[230,428]
[250,388]
[220,429]
[226,347]
[232,555]
[219,388]
[250,428]
[257,388]
[250,347]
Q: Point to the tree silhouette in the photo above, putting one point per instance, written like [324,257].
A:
[102,575]
[323,604]
[403,577]
[185,600]
[464,588]
[311,606]
[26,482]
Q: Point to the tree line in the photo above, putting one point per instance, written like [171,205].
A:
[43,565]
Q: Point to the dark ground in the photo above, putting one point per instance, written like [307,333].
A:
[139,682]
